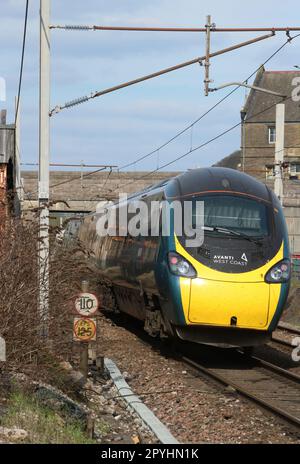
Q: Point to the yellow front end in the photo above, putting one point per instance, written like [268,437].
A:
[221,299]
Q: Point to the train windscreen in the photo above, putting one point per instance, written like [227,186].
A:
[235,213]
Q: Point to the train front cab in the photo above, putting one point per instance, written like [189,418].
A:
[226,309]
[230,308]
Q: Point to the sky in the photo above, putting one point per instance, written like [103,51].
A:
[120,127]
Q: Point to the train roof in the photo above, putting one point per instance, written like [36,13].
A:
[208,180]
[219,179]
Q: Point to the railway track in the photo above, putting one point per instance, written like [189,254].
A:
[266,384]
[286,329]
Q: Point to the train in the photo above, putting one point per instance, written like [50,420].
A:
[230,291]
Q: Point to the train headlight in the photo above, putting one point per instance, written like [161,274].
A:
[180,266]
[280,273]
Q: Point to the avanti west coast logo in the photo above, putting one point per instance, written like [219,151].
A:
[155,218]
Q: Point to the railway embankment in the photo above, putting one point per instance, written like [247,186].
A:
[40,390]
[193,407]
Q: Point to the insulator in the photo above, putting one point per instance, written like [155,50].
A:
[75,27]
[77,101]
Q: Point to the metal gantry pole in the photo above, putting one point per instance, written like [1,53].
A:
[19,190]
[44,148]
[279,149]
[207,52]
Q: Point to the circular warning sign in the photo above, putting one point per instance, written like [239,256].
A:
[84,329]
[86,304]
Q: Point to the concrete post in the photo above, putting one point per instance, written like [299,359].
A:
[44,148]
[279,150]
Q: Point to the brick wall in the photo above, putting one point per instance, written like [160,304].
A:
[84,195]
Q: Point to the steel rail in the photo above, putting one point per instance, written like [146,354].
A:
[209,372]
[277,369]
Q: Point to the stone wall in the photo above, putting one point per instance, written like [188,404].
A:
[71,192]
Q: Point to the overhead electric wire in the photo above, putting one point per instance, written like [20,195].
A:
[103,186]
[214,28]
[22,59]
[77,178]
[289,40]
[199,59]
[199,146]
[208,111]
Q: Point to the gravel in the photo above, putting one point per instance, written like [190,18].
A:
[194,408]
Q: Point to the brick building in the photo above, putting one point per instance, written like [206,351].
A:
[7,168]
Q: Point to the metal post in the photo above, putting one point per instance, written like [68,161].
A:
[207,63]
[18,159]
[243,134]
[279,150]
[81,176]
[84,346]
[44,147]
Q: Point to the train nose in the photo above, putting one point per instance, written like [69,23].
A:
[239,304]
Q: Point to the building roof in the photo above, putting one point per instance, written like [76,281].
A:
[231,161]
[260,106]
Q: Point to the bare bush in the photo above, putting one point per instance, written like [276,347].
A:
[20,322]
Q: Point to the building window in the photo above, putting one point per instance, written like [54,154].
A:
[295,169]
[272,134]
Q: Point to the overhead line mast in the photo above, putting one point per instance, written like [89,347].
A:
[199,60]
[43,186]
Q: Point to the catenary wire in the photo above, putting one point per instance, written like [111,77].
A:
[209,110]
[22,59]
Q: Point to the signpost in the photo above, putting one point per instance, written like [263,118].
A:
[85,323]
[2,349]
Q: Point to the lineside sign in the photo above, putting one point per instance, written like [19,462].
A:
[84,329]
[86,304]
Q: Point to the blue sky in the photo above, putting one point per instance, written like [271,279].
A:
[120,127]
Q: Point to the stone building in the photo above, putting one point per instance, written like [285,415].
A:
[259,132]
[259,137]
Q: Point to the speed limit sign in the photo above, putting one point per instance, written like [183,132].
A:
[84,329]
[86,304]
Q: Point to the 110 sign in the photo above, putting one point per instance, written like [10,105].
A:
[86,304]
